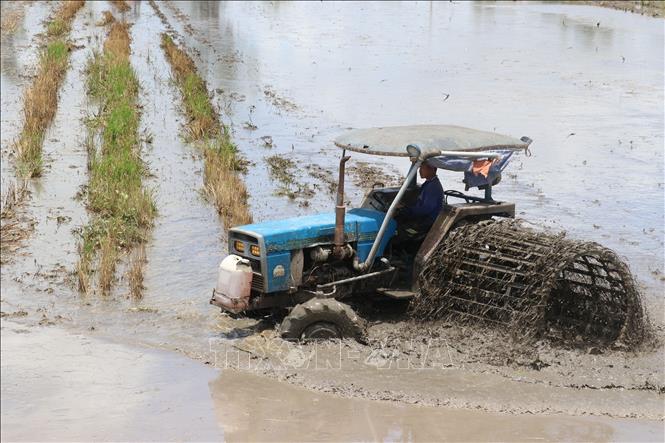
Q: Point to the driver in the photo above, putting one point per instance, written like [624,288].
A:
[430,200]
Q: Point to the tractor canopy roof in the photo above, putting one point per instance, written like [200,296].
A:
[431,140]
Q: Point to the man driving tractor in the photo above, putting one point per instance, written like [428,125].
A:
[419,217]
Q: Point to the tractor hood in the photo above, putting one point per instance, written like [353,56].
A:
[360,225]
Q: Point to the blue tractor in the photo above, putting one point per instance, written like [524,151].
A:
[315,266]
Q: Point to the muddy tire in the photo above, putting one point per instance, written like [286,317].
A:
[320,319]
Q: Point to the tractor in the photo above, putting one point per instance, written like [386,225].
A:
[314,266]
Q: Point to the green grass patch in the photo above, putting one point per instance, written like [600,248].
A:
[196,98]
[56,52]
[123,210]
[111,79]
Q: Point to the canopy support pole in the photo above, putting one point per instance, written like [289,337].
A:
[367,264]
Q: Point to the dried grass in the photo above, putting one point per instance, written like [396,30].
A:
[11,18]
[108,253]
[121,5]
[62,21]
[13,230]
[222,184]
[135,273]
[226,189]
[107,19]
[11,198]
[83,272]
[40,100]
[117,42]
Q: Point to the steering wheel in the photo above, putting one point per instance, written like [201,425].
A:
[455,193]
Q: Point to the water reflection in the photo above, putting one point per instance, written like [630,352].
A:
[254,408]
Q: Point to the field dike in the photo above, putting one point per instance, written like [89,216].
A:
[41,98]
[122,209]
[222,183]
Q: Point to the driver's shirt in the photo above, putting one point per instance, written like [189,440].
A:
[430,201]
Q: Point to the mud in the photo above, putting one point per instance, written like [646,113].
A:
[368,176]
[648,7]
[283,171]
[159,396]
[543,70]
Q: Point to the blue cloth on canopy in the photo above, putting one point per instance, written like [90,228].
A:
[465,165]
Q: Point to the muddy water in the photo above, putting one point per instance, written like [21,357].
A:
[247,412]
[44,267]
[65,389]
[301,73]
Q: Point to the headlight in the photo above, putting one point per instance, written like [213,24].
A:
[255,250]
[239,246]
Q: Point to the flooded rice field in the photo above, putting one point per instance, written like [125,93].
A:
[585,83]
[159,396]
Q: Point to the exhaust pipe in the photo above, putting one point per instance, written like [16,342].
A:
[340,211]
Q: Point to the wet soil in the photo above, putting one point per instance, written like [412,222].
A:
[596,170]
[649,7]
[65,388]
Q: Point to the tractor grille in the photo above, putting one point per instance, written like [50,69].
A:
[255,264]
[257,282]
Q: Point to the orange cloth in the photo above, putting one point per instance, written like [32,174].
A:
[482,167]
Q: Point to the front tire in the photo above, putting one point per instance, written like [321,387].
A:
[321,319]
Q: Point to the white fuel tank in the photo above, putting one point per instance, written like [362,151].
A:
[235,277]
